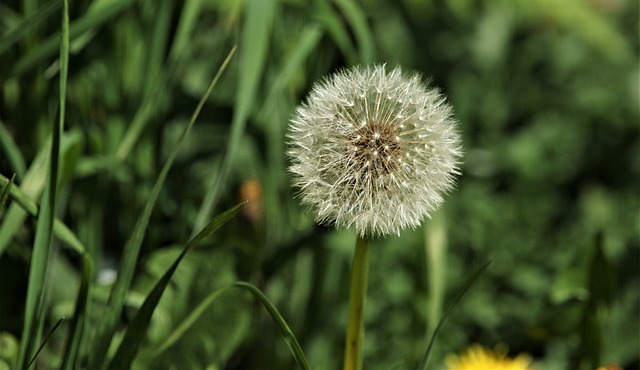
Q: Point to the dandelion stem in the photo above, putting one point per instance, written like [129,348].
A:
[357,298]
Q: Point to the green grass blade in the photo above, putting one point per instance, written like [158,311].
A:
[142,116]
[4,195]
[76,327]
[48,47]
[154,89]
[289,337]
[306,44]
[279,92]
[108,325]
[358,21]
[44,342]
[158,42]
[68,237]
[36,290]
[9,18]
[254,46]
[31,188]
[15,34]
[188,20]
[463,291]
[137,329]
[214,225]
[30,206]
[435,252]
[155,82]
[94,164]
[15,158]
[190,320]
[336,30]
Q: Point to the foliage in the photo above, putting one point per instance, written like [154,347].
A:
[546,93]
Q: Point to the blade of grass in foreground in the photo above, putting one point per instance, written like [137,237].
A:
[137,329]
[4,194]
[108,324]
[44,342]
[76,327]
[33,184]
[289,337]
[465,288]
[36,292]
[29,205]
[291,340]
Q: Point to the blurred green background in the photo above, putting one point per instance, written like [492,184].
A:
[546,93]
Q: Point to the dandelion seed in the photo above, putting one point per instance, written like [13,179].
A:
[335,150]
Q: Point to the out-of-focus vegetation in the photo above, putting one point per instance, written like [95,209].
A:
[546,92]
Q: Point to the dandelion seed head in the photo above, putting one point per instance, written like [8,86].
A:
[373,150]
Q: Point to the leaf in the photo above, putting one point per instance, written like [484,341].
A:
[137,329]
[36,289]
[463,291]
[107,326]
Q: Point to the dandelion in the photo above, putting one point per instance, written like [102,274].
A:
[477,357]
[373,150]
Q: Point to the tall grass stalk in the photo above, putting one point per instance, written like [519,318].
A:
[357,300]
[36,288]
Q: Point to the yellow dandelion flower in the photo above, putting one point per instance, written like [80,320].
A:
[477,357]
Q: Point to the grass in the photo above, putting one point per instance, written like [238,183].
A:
[104,176]
[37,289]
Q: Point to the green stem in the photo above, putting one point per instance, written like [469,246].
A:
[357,298]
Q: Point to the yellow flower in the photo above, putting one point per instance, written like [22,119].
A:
[477,357]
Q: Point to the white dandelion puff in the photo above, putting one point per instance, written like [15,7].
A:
[373,150]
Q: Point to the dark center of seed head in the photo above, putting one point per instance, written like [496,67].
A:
[374,148]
